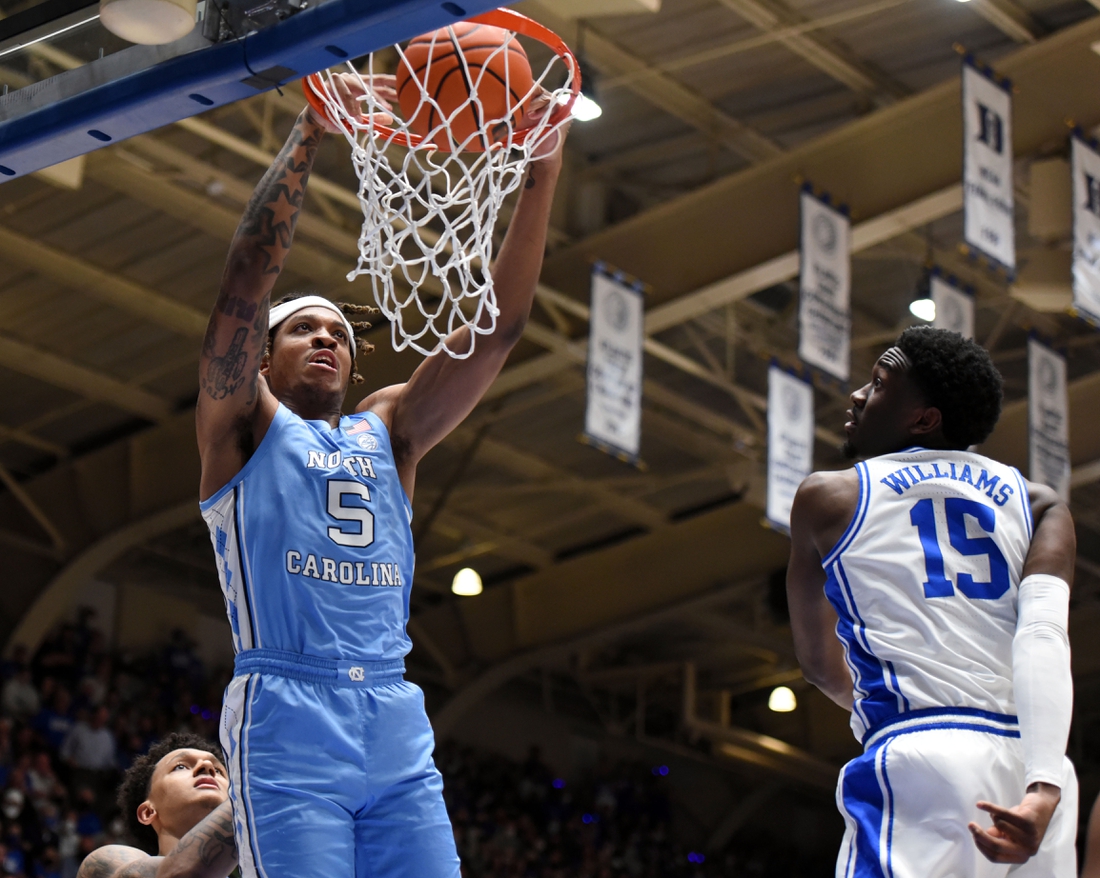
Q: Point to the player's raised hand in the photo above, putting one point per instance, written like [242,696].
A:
[1017,832]
[537,107]
[352,92]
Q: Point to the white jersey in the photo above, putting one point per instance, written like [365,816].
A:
[924,582]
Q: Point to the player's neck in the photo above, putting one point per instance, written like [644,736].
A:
[309,407]
[166,842]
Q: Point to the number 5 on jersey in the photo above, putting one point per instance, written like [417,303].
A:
[359,530]
[956,511]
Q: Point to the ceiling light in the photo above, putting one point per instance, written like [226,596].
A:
[585,109]
[466,583]
[148,22]
[923,309]
[782,700]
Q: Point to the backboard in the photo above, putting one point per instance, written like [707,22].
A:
[109,90]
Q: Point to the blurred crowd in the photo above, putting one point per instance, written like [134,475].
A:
[74,716]
[519,820]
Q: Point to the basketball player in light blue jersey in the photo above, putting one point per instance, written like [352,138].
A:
[929,595]
[329,749]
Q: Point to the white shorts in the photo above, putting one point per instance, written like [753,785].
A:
[908,799]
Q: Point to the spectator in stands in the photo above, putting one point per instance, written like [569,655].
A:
[19,698]
[89,751]
[18,659]
[90,746]
[55,721]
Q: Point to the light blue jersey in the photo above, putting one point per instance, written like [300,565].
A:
[313,542]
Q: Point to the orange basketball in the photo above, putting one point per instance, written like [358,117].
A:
[500,77]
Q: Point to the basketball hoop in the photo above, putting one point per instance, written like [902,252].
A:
[430,198]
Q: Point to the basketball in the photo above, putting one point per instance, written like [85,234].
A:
[500,77]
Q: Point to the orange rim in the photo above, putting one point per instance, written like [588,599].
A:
[502,18]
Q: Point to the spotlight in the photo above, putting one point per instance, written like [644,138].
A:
[923,309]
[782,700]
[466,583]
[585,107]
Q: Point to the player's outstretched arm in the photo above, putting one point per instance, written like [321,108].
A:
[235,408]
[207,851]
[1042,683]
[822,500]
[443,391]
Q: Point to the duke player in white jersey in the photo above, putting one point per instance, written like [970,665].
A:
[929,595]
[329,749]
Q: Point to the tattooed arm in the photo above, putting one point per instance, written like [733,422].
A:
[207,851]
[235,407]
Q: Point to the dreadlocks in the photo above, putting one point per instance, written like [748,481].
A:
[348,309]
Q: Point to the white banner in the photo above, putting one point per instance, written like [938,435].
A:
[954,307]
[1086,229]
[825,279]
[1048,418]
[790,442]
[987,167]
[613,416]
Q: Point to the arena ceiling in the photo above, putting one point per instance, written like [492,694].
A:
[649,594]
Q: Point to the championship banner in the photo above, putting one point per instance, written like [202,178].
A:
[824,317]
[790,442]
[1048,418]
[954,307]
[987,167]
[1086,229]
[613,416]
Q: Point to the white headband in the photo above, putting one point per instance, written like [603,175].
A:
[281,312]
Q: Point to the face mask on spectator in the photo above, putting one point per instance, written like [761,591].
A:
[12,805]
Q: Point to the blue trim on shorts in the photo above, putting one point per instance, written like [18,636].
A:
[316,669]
[943,718]
[890,812]
[864,803]
[250,826]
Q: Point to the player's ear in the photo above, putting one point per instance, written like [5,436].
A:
[929,419]
[146,813]
[265,361]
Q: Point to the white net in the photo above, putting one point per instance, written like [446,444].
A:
[430,214]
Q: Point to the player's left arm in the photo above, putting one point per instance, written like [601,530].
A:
[207,851]
[818,503]
[1042,683]
[443,391]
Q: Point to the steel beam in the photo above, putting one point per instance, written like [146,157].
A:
[661,89]
[122,293]
[59,372]
[771,16]
[1010,18]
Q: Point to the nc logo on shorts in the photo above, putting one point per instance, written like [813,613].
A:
[367,442]
[357,674]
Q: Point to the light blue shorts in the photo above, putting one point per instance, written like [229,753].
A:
[331,771]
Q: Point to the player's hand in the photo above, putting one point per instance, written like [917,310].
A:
[550,145]
[1017,832]
[352,92]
